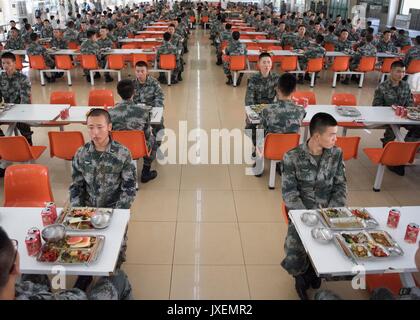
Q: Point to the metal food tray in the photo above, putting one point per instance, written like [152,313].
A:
[65,215]
[391,251]
[413,115]
[257,108]
[346,111]
[95,251]
[369,221]
[345,217]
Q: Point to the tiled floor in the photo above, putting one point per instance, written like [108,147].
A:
[210,231]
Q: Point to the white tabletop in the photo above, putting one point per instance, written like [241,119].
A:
[32,112]
[254,33]
[259,41]
[327,259]
[64,52]
[17,221]
[150,32]
[157,27]
[130,51]
[294,53]
[140,40]
[78,115]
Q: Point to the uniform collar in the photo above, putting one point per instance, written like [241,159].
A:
[109,149]
[307,154]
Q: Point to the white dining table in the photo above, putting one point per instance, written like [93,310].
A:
[17,221]
[328,260]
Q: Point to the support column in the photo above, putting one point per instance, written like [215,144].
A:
[392,12]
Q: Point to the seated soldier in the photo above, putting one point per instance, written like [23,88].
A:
[128,115]
[234,48]
[91,47]
[313,176]
[413,53]
[38,287]
[168,48]
[313,51]
[14,42]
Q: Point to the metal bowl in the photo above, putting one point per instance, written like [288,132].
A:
[322,235]
[53,233]
[309,218]
[100,220]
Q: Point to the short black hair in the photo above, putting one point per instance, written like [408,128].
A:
[171,25]
[263,55]
[369,37]
[8,55]
[97,112]
[236,35]
[104,27]
[90,33]
[166,36]
[6,256]
[331,29]
[397,64]
[386,31]
[141,64]
[319,38]
[417,39]
[320,122]
[344,30]
[33,36]
[401,31]
[125,89]
[287,84]
[228,26]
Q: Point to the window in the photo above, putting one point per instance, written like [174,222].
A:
[410,4]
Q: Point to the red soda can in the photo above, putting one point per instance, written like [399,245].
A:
[53,208]
[404,112]
[398,111]
[393,218]
[32,245]
[47,217]
[412,233]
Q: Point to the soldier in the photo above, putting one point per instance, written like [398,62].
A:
[70,34]
[278,32]
[301,42]
[313,176]
[177,41]
[14,88]
[120,31]
[395,91]
[82,35]
[315,50]
[386,44]
[234,48]
[27,36]
[413,53]
[354,34]
[330,37]
[38,25]
[90,46]
[129,115]
[47,30]
[14,42]
[402,39]
[36,49]
[12,27]
[57,41]
[38,287]
[168,48]
[261,89]
[343,44]
[225,36]
[147,90]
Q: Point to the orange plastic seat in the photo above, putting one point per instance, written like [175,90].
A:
[134,140]
[367,64]
[64,144]
[27,185]
[275,146]
[63,62]
[288,47]
[37,62]
[394,154]
[204,19]
[17,149]
[416,99]
[300,95]
[343,99]
[314,65]
[89,61]
[340,64]
[138,57]
[405,49]
[237,63]
[72,45]
[284,212]
[349,146]
[329,46]
[63,97]
[19,63]
[391,281]
[288,63]
[129,46]
[167,62]
[413,67]
[101,98]
[115,61]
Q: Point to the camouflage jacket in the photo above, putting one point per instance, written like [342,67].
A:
[354,36]
[330,38]
[27,37]
[58,43]
[412,54]
[128,115]
[314,51]
[47,32]
[15,44]
[383,46]
[15,89]
[343,45]
[121,33]
[103,179]
[307,185]
[71,35]
[387,95]
[82,36]
[105,43]
[166,48]
[176,40]
[261,90]
[235,48]
[282,117]
[27,290]
[35,49]
[288,39]
[90,47]
[225,36]
[402,40]
[150,93]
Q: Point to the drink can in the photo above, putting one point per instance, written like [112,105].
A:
[397,111]
[53,208]
[47,217]
[412,233]
[393,218]
[305,102]
[32,245]
[404,112]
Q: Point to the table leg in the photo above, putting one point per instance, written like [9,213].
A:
[10,129]
[397,132]
[407,280]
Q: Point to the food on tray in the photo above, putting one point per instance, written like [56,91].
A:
[355,238]
[334,213]
[49,254]
[80,242]
[380,238]
[79,218]
[359,251]
[377,251]
[361,213]
[348,224]
[75,256]
[258,107]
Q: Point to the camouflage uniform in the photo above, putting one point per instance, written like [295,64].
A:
[121,33]
[314,51]
[367,50]
[340,46]
[330,38]
[128,115]
[91,47]
[150,93]
[308,184]
[35,49]
[38,287]
[377,294]
[224,36]
[387,95]
[169,48]
[26,38]
[15,44]
[47,32]
[260,90]
[103,179]
[16,89]
[58,43]
[71,35]
[412,54]
[81,36]
[402,41]
[383,46]
[354,35]
[288,39]
[282,117]
[234,48]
